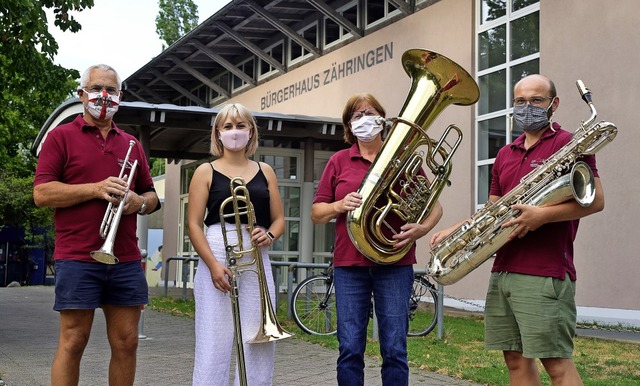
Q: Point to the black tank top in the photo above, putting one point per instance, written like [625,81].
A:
[220,191]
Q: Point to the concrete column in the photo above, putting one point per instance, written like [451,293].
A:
[306,200]
[143,223]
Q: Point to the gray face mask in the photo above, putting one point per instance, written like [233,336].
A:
[531,118]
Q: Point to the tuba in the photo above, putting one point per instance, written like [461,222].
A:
[393,191]
[243,210]
[559,179]
[111,219]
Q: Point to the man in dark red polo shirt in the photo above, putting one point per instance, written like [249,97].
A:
[78,175]
[530,309]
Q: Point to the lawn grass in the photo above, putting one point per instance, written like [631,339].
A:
[461,354]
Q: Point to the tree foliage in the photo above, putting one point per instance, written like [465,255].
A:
[175,19]
[32,87]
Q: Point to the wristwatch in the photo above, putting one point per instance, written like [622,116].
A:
[143,207]
[270,235]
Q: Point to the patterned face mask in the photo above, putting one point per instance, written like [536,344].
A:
[531,118]
[367,127]
[102,105]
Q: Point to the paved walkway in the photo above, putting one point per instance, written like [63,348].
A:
[29,333]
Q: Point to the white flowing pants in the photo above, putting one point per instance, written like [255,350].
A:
[214,320]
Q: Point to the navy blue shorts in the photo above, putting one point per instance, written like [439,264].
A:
[82,285]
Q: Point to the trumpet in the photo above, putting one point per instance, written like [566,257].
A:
[243,210]
[111,219]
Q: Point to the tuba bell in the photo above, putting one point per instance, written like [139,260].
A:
[393,191]
[243,216]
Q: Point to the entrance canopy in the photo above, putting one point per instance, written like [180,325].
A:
[184,132]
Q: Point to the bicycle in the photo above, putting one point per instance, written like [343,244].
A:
[313,305]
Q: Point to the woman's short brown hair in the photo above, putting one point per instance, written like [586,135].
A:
[236,112]
[350,108]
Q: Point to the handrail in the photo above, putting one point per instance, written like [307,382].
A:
[291,266]
[185,261]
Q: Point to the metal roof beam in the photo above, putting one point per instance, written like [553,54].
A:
[178,88]
[285,29]
[331,13]
[250,46]
[151,92]
[223,62]
[198,75]
[135,94]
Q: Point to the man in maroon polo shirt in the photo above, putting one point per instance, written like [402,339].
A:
[78,175]
[530,309]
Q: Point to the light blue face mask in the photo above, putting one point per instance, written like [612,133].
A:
[531,118]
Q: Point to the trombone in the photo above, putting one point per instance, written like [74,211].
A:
[111,219]
[243,210]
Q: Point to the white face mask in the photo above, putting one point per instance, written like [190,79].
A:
[234,139]
[102,105]
[367,127]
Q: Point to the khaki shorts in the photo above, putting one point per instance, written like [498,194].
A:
[533,315]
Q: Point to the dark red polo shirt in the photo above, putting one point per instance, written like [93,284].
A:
[76,153]
[547,251]
[343,174]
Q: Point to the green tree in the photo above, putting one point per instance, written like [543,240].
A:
[176,18]
[32,87]
[157,166]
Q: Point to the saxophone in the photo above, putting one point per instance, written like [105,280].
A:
[394,191]
[557,180]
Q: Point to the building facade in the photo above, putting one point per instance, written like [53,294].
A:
[356,46]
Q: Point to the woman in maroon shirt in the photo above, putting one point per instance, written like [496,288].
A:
[357,277]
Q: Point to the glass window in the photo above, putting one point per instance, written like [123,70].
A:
[375,11]
[500,67]
[324,237]
[333,32]
[276,52]
[285,167]
[310,34]
[246,67]
[524,36]
[519,4]
[484,183]
[515,130]
[492,47]
[491,137]
[492,10]
[290,196]
[318,167]
[493,92]
[519,71]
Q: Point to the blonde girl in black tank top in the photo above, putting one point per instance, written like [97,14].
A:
[234,138]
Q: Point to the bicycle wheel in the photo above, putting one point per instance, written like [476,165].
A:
[423,307]
[313,305]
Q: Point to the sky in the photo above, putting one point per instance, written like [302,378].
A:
[120,33]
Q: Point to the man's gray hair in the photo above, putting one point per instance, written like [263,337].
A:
[103,67]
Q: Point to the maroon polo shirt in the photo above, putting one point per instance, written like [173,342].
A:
[343,174]
[547,251]
[76,153]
